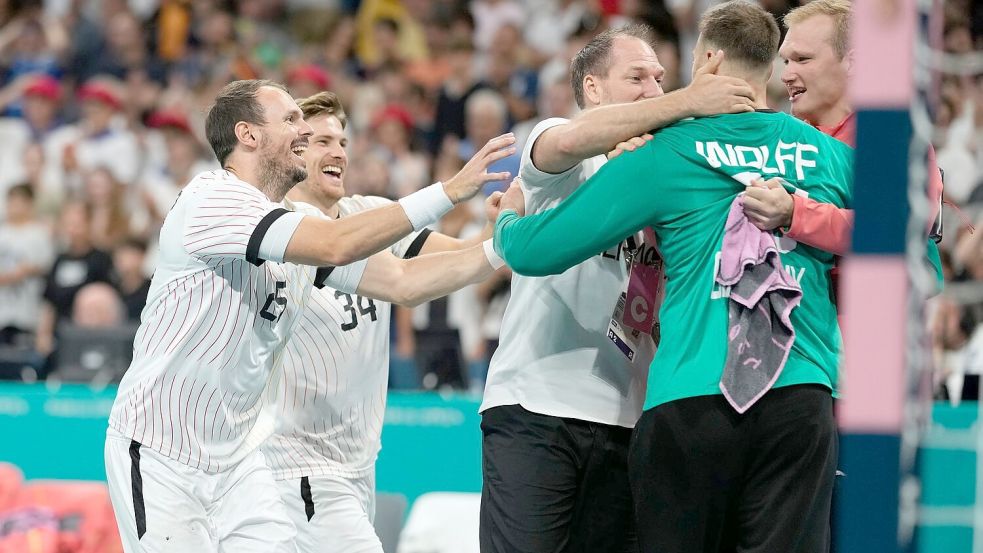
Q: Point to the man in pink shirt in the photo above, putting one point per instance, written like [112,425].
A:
[818,62]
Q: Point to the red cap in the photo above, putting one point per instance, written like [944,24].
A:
[169,119]
[43,86]
[100,92]
[396,113]
[310,73]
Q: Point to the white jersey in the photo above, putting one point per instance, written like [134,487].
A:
[554,356]
[336,371]
[221,306]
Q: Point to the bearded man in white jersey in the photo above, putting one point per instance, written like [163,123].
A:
[567,382]
[332,396]
[235,272]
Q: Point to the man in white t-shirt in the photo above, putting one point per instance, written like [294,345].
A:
[567,382]
[332,396]
[235,274]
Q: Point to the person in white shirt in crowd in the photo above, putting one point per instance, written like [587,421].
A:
[236,271]
[180,157]
[99,139]
[41,95]
[25,255]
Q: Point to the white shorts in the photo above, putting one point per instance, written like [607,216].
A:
[332,513]
[164,505]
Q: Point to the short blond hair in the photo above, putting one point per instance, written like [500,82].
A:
[744,31]
[838,10]
[323,103]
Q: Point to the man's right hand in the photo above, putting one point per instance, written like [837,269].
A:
[469,180]
[712,94]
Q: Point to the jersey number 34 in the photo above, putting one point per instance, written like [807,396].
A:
[351,306]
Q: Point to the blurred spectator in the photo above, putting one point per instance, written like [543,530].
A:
[126,49]
[508,74]
[385,39]
[550,23]
[389,33]
[41,95]
[25,256]
[97,305]
[490,15]
[100,138]
[174,157]
[339,47]
[955,148]
[31,43]
[307,80]
[129,278]
[461,83]
[392,130]
[368,175]
[78,264]
[486,118]
[105,198]
[213,32]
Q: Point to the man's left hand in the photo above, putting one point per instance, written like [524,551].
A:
[768,205]
[513,198]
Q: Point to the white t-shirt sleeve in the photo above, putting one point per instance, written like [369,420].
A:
[532,176]
[345,278]
[232,222]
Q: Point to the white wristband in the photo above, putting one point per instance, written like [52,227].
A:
[425,207]
[494,259]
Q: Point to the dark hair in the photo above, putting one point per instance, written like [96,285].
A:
[234,103]
[743,30]
[23,190]
[595,57]
[323,103]
[133,243]
[388,23]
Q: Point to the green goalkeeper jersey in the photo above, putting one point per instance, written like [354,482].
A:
[682,184]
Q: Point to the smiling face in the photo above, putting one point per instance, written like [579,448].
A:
[326,160]
[814,75]
[634,74]
[283,139]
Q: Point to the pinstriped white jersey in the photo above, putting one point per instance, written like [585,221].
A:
[332,397]
[221,306]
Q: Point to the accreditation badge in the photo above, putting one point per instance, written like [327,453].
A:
[636,315]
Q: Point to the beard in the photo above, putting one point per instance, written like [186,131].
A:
[277,176]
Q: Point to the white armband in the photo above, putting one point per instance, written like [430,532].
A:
[425,207]
[494,259]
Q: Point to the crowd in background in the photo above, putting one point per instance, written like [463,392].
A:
[101,123]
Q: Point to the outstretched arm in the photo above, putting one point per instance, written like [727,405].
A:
[597,131]
[336,242]
[603,211]
[410,282]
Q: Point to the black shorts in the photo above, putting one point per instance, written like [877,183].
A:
[708,480]
[553,485]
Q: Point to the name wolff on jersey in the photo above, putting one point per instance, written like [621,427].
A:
[787,156]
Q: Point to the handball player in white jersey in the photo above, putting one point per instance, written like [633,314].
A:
[236,271]
[332,396]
